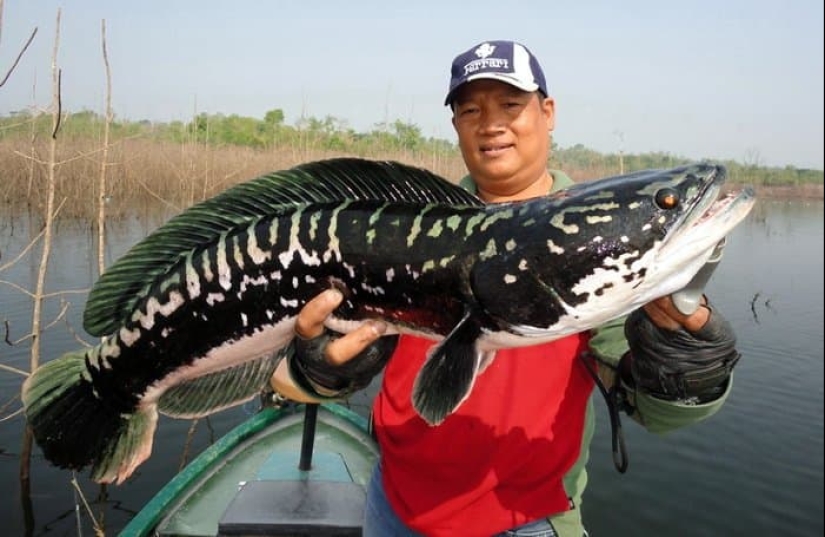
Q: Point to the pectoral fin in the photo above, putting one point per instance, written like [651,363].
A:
[449,373]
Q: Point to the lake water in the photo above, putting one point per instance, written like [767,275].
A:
[756,468]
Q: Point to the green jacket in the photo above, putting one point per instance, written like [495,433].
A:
[608,344]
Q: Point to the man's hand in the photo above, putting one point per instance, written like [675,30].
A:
[310,324]
[665,315]
[679,357]
[325,364]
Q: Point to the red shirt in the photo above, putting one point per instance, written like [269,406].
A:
[499,460]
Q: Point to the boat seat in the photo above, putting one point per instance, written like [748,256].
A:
[295,508]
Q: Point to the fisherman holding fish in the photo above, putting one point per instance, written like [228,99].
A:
[501,305]
[510,460]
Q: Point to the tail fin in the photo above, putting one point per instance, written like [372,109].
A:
[75,428]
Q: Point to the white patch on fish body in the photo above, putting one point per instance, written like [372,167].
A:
[313,224]
[436,229]
[128,337]
[215,298]
[295,245]
[109,348]
[334,250]
[590,219]
[224,271]
[600,277]
[489,252]
[445,261]
[206,266]
[193,281]
[258,281]
[373,290]
[472,222]
[453,222]
[558,221]
[554,248]
[289,303]
[496,216]
[237,253]
[307,258]
[626,259]
[415,229]
[154,307]
[254,251]
[414,274]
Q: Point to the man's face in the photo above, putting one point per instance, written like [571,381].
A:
[503,134]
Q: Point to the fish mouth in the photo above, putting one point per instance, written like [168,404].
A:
[712,217]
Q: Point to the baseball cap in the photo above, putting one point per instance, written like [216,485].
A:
[507,61]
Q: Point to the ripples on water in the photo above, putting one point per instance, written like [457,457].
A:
[753,469]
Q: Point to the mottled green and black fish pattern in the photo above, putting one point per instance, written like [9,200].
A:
[196,314]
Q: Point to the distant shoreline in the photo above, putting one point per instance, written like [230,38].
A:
[811,192]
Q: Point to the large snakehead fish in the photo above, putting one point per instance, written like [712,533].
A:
[196,315]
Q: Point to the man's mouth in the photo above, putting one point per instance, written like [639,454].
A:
[495,149]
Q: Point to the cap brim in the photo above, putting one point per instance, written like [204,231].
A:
[501,77]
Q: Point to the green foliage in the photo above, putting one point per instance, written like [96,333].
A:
[333,134]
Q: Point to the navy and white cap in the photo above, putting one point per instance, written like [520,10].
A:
[506,61]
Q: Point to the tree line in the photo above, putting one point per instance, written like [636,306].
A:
[333,134]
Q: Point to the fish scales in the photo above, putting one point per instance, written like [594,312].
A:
[196,315]
[268,288]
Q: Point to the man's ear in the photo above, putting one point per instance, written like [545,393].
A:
[548,106]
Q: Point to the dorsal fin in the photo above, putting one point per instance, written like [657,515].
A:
[118,290]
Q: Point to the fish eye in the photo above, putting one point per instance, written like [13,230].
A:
[667,198]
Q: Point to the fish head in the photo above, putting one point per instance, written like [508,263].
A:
[637,237]
[674,220]
[603,248]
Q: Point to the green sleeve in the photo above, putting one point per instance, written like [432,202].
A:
[608,344]
[660,416]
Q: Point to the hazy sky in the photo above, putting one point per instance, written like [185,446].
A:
[738,80]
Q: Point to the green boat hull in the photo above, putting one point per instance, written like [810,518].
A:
[250,481]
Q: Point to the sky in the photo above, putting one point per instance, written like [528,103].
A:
[722,79]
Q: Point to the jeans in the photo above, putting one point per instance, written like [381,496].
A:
[381,521]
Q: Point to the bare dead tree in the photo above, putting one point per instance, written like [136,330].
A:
[101,188]
[39,292]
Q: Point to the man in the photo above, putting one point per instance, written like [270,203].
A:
[510,460]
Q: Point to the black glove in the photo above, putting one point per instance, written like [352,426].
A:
[680,365]
[313,374]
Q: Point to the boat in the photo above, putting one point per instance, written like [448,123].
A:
[296,470]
